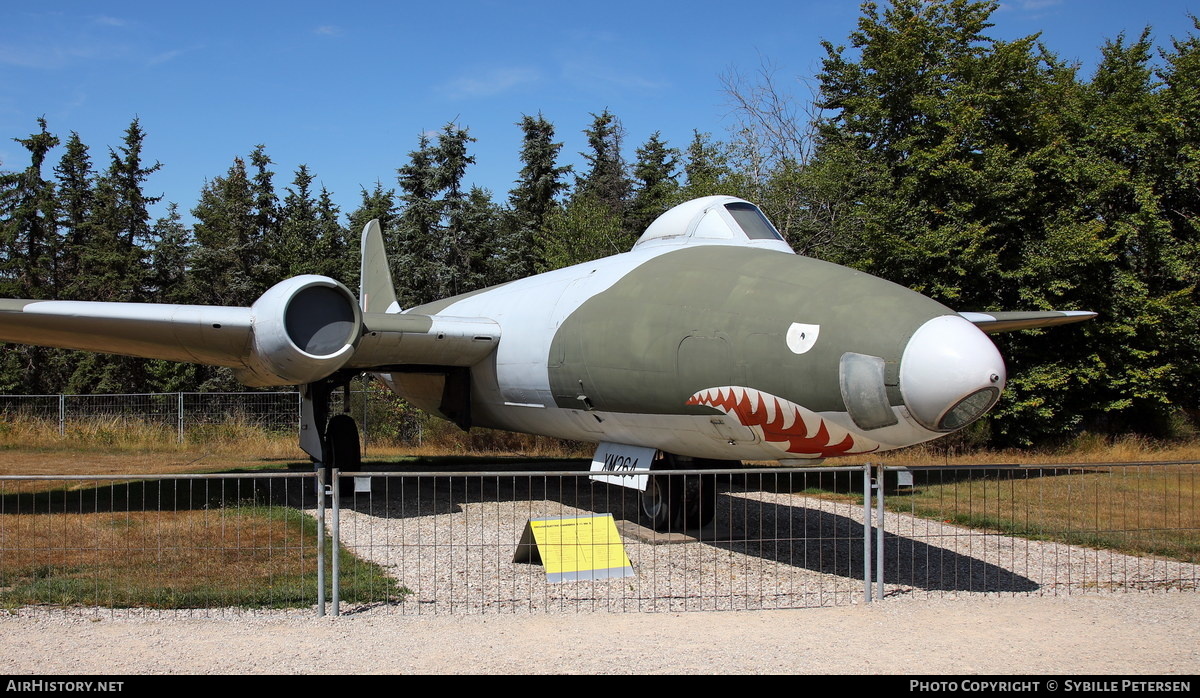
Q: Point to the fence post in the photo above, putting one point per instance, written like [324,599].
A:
[867,487]
[366,395]
[179,412]
[320,481]
[62,414]
[879,533]
[337,543]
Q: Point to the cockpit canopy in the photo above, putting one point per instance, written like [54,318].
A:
[714,220]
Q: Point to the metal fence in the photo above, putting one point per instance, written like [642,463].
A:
[1046,529]
[197,416]
[156,542]
[436,542]
[452,538]
[183,413]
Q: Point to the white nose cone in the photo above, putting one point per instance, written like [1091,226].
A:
[950,374]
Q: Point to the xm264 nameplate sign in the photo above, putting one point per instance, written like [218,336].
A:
[627,463]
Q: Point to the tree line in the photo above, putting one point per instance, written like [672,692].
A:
[82,232]
[987,174]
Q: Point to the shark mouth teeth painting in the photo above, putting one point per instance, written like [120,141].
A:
[781,421]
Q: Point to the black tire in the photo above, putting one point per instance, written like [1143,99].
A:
[700,500]
[341,444]
[680,502]
[656,504]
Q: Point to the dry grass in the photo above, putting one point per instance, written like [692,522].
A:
[1138,509]
[233,556]
[158,543]
[237,441]
[116,435]
[1087,448]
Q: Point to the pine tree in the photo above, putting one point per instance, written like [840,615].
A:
[706,169]
[656,185]
[76,201]
[27,250]
[419,264]
[169,256]
[535,196]
[296,251]
[436,250]
[337,254]
[593,223]
[605,179]
[227,253]
[465,250]
[271,265]
[481,263]
[379,203]
[28,222]
[113,258]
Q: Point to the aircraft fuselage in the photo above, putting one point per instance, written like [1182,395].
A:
[722,351]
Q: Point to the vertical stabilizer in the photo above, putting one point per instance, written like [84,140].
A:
[376,294]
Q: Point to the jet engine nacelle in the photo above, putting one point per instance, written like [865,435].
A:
[303,329]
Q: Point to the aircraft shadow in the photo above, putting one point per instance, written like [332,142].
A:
[832,543]
[806,537]
[97,496]
[851,482]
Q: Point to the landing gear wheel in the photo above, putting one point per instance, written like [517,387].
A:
[341,444]
[655,502]
[680,502]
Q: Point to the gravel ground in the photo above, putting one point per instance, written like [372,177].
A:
[958,601]
[1135,633]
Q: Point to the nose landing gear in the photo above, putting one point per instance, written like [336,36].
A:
[341,444]
[332,442]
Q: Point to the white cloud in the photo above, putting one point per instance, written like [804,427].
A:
[491,82]
[165,56]
[329,30]
[590,74]
[1029,5]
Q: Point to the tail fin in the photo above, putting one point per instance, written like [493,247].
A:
[376,294]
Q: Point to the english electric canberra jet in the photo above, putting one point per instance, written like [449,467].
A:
[710,342]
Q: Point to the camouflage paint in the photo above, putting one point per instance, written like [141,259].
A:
[709,316]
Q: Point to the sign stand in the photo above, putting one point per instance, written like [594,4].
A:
[575,548]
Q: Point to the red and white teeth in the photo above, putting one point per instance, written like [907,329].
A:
[780,421]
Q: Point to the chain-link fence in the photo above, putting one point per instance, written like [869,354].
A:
[181,541]
[453,540]
[381,415]
[469,542]
[1045,529]
[183,414]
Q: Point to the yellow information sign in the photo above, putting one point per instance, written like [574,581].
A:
[575,548]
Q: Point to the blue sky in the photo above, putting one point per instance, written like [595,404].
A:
[347,88]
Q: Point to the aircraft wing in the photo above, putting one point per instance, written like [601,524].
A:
[301,330]
[1020,320]
[212,335]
